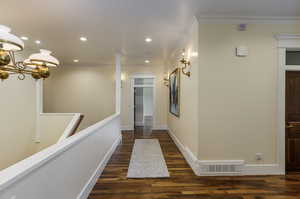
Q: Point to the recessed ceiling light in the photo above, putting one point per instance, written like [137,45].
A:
[24,38]
[148,40]
[83,38]
[76,60]
[38,42]
[147,61]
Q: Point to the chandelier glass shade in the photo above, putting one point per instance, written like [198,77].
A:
[37,65]
[8,41]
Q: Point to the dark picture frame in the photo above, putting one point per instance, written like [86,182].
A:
[174,92]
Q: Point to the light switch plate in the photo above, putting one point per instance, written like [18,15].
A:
[259,156]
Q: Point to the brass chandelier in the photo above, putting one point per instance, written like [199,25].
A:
[37,65]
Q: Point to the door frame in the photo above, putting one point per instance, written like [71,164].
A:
[285,42]
[131,103]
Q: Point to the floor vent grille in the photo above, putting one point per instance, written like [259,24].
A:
[221,168]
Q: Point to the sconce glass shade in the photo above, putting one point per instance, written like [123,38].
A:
[44,58]
[8,41]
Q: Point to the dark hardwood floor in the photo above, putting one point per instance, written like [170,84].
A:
[183,184]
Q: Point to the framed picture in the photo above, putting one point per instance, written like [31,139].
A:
[174,95]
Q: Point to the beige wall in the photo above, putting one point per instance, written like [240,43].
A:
[81,89]
[17,119]
[186,127]
[238,95]
[52,127]
[160,92]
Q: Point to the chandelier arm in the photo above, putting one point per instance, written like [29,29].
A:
[12,56]
[21,76]
[11,68]
[20,65]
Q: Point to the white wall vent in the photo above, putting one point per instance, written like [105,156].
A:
[223,167]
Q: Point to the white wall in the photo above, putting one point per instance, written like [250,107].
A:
[228,106]
[52,127]
[186,128]
[139,107]
[89,90]
[148,101]
[17,119]
[160,93]
[237,102]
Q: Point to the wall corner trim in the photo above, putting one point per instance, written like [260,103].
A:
[247,169]
[219,19]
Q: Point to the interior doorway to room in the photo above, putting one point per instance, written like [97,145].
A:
[292,114]
[292,111]
[143,103]
[143,107]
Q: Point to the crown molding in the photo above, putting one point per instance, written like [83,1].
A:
[287,36]
[248,19]
[291,41]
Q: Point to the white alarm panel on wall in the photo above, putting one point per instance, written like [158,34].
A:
[242,51]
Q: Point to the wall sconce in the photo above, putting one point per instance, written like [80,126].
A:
[123,78]
[187,64]
[166,81]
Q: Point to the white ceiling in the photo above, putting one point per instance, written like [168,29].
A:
[121,25]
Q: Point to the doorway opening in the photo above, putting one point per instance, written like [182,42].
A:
[292,113]
[143,91]
[289,64]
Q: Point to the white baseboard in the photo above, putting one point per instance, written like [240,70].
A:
[246,169]
[126,128]
[188,155]
[92,181]
[156,127]
[263,169]
[160,127]
[139,123]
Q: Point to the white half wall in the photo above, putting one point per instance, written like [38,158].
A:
[66,170]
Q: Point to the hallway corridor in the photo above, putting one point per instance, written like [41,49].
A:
[183,184]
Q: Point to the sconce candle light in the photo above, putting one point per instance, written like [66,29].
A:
[187,65]
[166,80]
[123,78]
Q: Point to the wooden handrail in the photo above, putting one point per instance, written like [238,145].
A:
[77,125]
